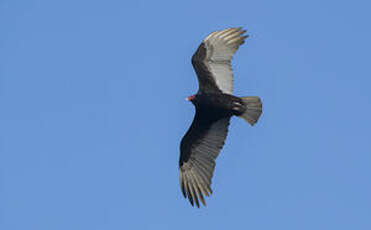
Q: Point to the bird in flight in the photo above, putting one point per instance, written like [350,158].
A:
[215,105]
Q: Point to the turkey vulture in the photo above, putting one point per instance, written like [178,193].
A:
[215,105]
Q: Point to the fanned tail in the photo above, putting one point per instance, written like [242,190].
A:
[253,109]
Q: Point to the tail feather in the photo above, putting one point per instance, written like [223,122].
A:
[253,109]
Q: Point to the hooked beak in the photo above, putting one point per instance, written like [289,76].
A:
[190,98]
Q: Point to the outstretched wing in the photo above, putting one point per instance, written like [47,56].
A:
[199,148]
[212,60]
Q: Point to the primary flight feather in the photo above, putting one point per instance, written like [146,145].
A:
[215,105]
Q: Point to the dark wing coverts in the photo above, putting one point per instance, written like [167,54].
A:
[212,60]
[199,149]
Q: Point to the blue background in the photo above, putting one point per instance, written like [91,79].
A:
[93,110]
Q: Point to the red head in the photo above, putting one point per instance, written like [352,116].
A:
[190,98]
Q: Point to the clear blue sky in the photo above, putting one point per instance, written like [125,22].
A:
[93,110]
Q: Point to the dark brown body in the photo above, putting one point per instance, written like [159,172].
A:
[219,104]
[209,109]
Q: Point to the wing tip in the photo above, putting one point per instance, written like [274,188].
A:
[193,189]
[225,32]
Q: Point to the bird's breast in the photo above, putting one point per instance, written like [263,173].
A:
[223,103]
